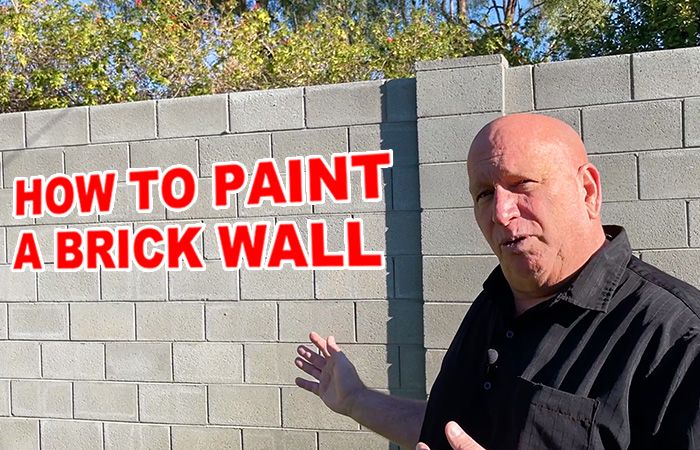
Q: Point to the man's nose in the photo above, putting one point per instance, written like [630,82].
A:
[505,206]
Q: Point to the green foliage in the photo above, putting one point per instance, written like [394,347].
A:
[58,53]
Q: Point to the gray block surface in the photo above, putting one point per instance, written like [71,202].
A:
[273,109]
[343,104]
[666,73]
[123,122]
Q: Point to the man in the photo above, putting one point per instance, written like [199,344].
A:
[573,343]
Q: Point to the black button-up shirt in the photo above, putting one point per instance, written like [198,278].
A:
[613,362]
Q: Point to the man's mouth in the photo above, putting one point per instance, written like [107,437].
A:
[512,242]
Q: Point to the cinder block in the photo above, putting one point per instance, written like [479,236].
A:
[38,398]
[401,138]
[213,283]
[44,238]
[632,126]
[519,91]
[208,362]
[412,368]
[266,208]
[433,362]
[5,399]
[302,409]
[202,208]
[669,174]
[241,321]
[244,148]
[356,203]
[392,322]
[402,232]
[271,363]
[136,285]
[272,439]
[375,234]
[455,278]
[38,321]
[666,73]
[683,264]
[170,321]
[578,82]
[445,139]
[29,163]
[408,277]
[102,321]
[98,158]
[124,209]
[377,365]
[444,186]
[441,321]
[463,90]
[353,284]
[3,321]
[343,104]
[298,318]
[187,438]
[286,283]
[19,434]
[691,118]
[286,144]
[618,176]
[405,189]
[456,63]
[173,403]
[123,122]
[12,131]
[271,109]
[6,206]
[70,435]
[694,223]
[400,100]
[650,224]
[571,116]
[365,441]
[192,116]
[452,232]
[210,241]
[3,247]
[257,406]
[73,360]
[25,358]
[127,436]
[23,285]
[138,361]
[68,126]
[165,153]
[68,286]
[106,401]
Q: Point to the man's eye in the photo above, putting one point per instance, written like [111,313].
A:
[483,195]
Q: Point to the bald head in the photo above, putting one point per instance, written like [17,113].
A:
[542,136]
[536,200]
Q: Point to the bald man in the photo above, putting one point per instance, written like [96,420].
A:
[573,342]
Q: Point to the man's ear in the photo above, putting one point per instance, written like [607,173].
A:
[590,186]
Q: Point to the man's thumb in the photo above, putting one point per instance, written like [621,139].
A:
[459,440]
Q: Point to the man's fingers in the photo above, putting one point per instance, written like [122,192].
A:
[308,385]
[319,342]
[332,346]
[311,356]
[458,439]
[422,446]
[308,368]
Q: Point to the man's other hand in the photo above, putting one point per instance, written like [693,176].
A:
[337,382]
[458,439]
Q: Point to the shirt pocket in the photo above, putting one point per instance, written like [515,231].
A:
[549,418]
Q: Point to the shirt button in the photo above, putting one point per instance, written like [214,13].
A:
[510,334]
[487,385]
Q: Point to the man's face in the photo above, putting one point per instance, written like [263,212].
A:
[529,205]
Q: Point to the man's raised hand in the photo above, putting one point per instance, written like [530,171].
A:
[337,382]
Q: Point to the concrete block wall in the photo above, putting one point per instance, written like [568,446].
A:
[204,360]
[189,360]
[639,117]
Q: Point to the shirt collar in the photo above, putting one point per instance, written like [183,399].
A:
[595,285]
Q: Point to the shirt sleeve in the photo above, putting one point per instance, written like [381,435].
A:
[673,390]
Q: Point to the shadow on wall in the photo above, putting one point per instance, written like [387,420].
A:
[406,352]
